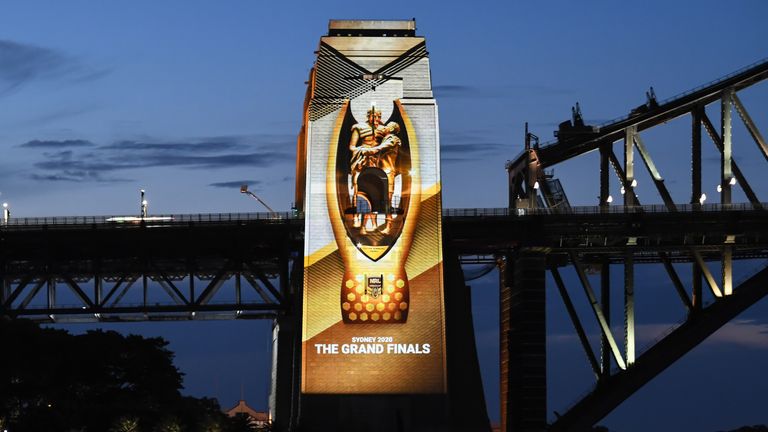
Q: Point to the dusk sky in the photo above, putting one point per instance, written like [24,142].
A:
[189,99]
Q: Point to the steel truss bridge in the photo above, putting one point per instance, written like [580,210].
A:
[249,266]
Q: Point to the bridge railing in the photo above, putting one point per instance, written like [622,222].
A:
[617,209]
[180,219]
[170,219]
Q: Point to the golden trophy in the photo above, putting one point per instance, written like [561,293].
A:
[373,202]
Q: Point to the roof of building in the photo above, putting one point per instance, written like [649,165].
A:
[243,408]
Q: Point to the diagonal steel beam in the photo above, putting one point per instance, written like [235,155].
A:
[170,288]
[124,291]
[257,287]
[606,329]
[683,339]
[212,288]
[112,291]
[576,322]
[759,140]
[17,292]
[736,171]
[707,274]
[655,175]
[78,292]
[629,166]
[24,303]
[622,177]
[267,284]
[676,282]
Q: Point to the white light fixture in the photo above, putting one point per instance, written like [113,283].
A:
[702,198]
[719,188]
[536,185]
[634,183]
[622,190]
[733,181]
[609,199]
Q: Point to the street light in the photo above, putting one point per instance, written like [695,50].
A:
[144,204]
[6,213]
[244,189]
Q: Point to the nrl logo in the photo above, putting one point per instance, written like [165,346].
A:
[374,286]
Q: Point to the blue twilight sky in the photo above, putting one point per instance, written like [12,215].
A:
[189,99]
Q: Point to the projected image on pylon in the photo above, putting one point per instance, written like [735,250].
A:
[373,310]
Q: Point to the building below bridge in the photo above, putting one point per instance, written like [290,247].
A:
[258,419]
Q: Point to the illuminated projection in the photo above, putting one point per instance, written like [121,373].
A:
[369,181]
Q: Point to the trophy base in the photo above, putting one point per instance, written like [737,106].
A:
[381,298]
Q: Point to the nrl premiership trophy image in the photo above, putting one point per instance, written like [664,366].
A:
[370,184]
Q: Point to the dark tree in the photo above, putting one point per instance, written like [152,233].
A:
[51,380]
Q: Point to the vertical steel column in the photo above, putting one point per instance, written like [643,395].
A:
[696,196]
[281,388]
[98,285]
[727,270]
[725,181]
[629,165]
[238,289]
[145,287]
[192,287]
[506,273]
[51,293]
[726,173]
[696,155]
[605,302]
[284,397]
[5,287]
[526,404]
[285,285]
[629,308]
[604,175]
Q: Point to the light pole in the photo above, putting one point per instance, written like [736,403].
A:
[144,204]
[244,189]
[6,213]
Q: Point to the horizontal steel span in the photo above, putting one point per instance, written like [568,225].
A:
[237,266]
[297,218]
[210,238]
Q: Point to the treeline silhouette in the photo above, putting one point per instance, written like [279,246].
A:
[51,380]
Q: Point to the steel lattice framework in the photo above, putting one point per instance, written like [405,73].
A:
[527,177]
[187,267]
